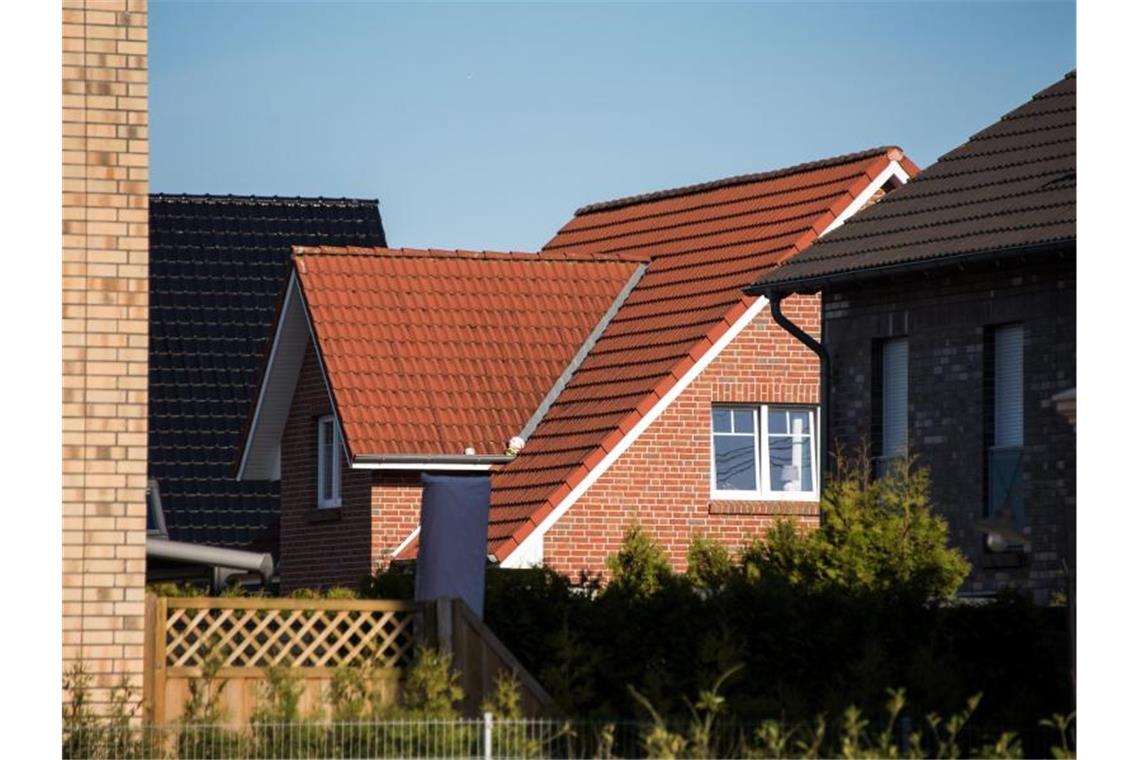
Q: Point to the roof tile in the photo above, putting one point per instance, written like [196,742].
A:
[705,244]
[430,352]
[1012,185]
[217,266]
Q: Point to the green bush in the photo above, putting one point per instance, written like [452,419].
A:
[821,620]
[641,567]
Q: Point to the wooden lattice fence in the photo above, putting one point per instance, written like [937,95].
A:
[243,637]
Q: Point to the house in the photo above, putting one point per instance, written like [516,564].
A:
[217,265]
[670,398]
[389,363]
[949,315]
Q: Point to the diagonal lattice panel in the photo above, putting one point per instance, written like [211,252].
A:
[243,634]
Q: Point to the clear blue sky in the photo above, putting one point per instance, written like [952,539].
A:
[485,126]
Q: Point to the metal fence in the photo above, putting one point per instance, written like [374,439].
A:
[489,737]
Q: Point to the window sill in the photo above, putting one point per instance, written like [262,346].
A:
[325,514]
[758,507]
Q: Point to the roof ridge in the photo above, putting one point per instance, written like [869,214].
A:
[740,179]
[447,253]
[269,200]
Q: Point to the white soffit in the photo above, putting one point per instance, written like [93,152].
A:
[262,453]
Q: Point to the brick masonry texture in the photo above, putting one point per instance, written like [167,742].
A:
[105,173]
[944,317]
[335,547]
[663,480]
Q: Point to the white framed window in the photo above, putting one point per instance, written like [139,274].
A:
[328,463]
[764,453]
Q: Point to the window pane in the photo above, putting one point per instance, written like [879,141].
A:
[789,463]
[722,420]
[800,425]
[735,462]
[1008,379]
[743,419]
[777,421]
[326,471]
[894,410]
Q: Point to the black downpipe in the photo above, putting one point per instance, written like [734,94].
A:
[824,376]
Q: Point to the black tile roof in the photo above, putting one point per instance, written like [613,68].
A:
[1011,187]
[217,267]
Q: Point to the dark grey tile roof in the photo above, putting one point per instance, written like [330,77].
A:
[1012,186]
[217,268]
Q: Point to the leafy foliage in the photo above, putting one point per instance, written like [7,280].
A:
[820,620]
[640,567]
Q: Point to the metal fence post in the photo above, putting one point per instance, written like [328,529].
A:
[488,721]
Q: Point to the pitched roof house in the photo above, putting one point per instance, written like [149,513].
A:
[670,399]
[950,316]
[217,265]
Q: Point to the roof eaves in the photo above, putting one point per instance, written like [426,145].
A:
[815,283]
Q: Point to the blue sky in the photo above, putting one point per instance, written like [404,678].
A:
[485,126]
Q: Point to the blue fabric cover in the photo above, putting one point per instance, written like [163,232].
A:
[452,558]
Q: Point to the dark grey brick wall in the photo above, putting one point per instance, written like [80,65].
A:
[944,317]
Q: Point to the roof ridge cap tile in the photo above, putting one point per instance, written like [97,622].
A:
[740,179]
[696,207]
[380,252]
[267,200]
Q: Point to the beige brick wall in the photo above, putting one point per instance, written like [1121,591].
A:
[105,166]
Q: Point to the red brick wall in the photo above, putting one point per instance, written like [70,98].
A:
[319,547]
[663,480]
[395,511]
[327,547]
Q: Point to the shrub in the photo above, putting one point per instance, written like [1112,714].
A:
[821,620]
[709,563]
[431,686]
[640,568]
[876,536]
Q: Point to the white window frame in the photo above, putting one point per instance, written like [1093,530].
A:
[324,423]
[760,425]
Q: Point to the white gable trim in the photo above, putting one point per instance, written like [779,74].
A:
[406,542]
[261,452]
[530,552]
[261,455]
[893,171]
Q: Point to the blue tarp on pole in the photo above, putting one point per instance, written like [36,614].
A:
[452,557]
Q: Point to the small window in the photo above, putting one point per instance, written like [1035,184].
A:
[328,463]
[764,452]
[1005,434]
[892,398]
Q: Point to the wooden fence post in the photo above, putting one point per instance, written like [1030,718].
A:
[148,660]
[157,645]
[443,625]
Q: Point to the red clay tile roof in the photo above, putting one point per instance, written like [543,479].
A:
[430,352]
[1012,186]
[706,242]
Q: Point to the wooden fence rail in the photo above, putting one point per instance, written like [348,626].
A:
[241,637]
